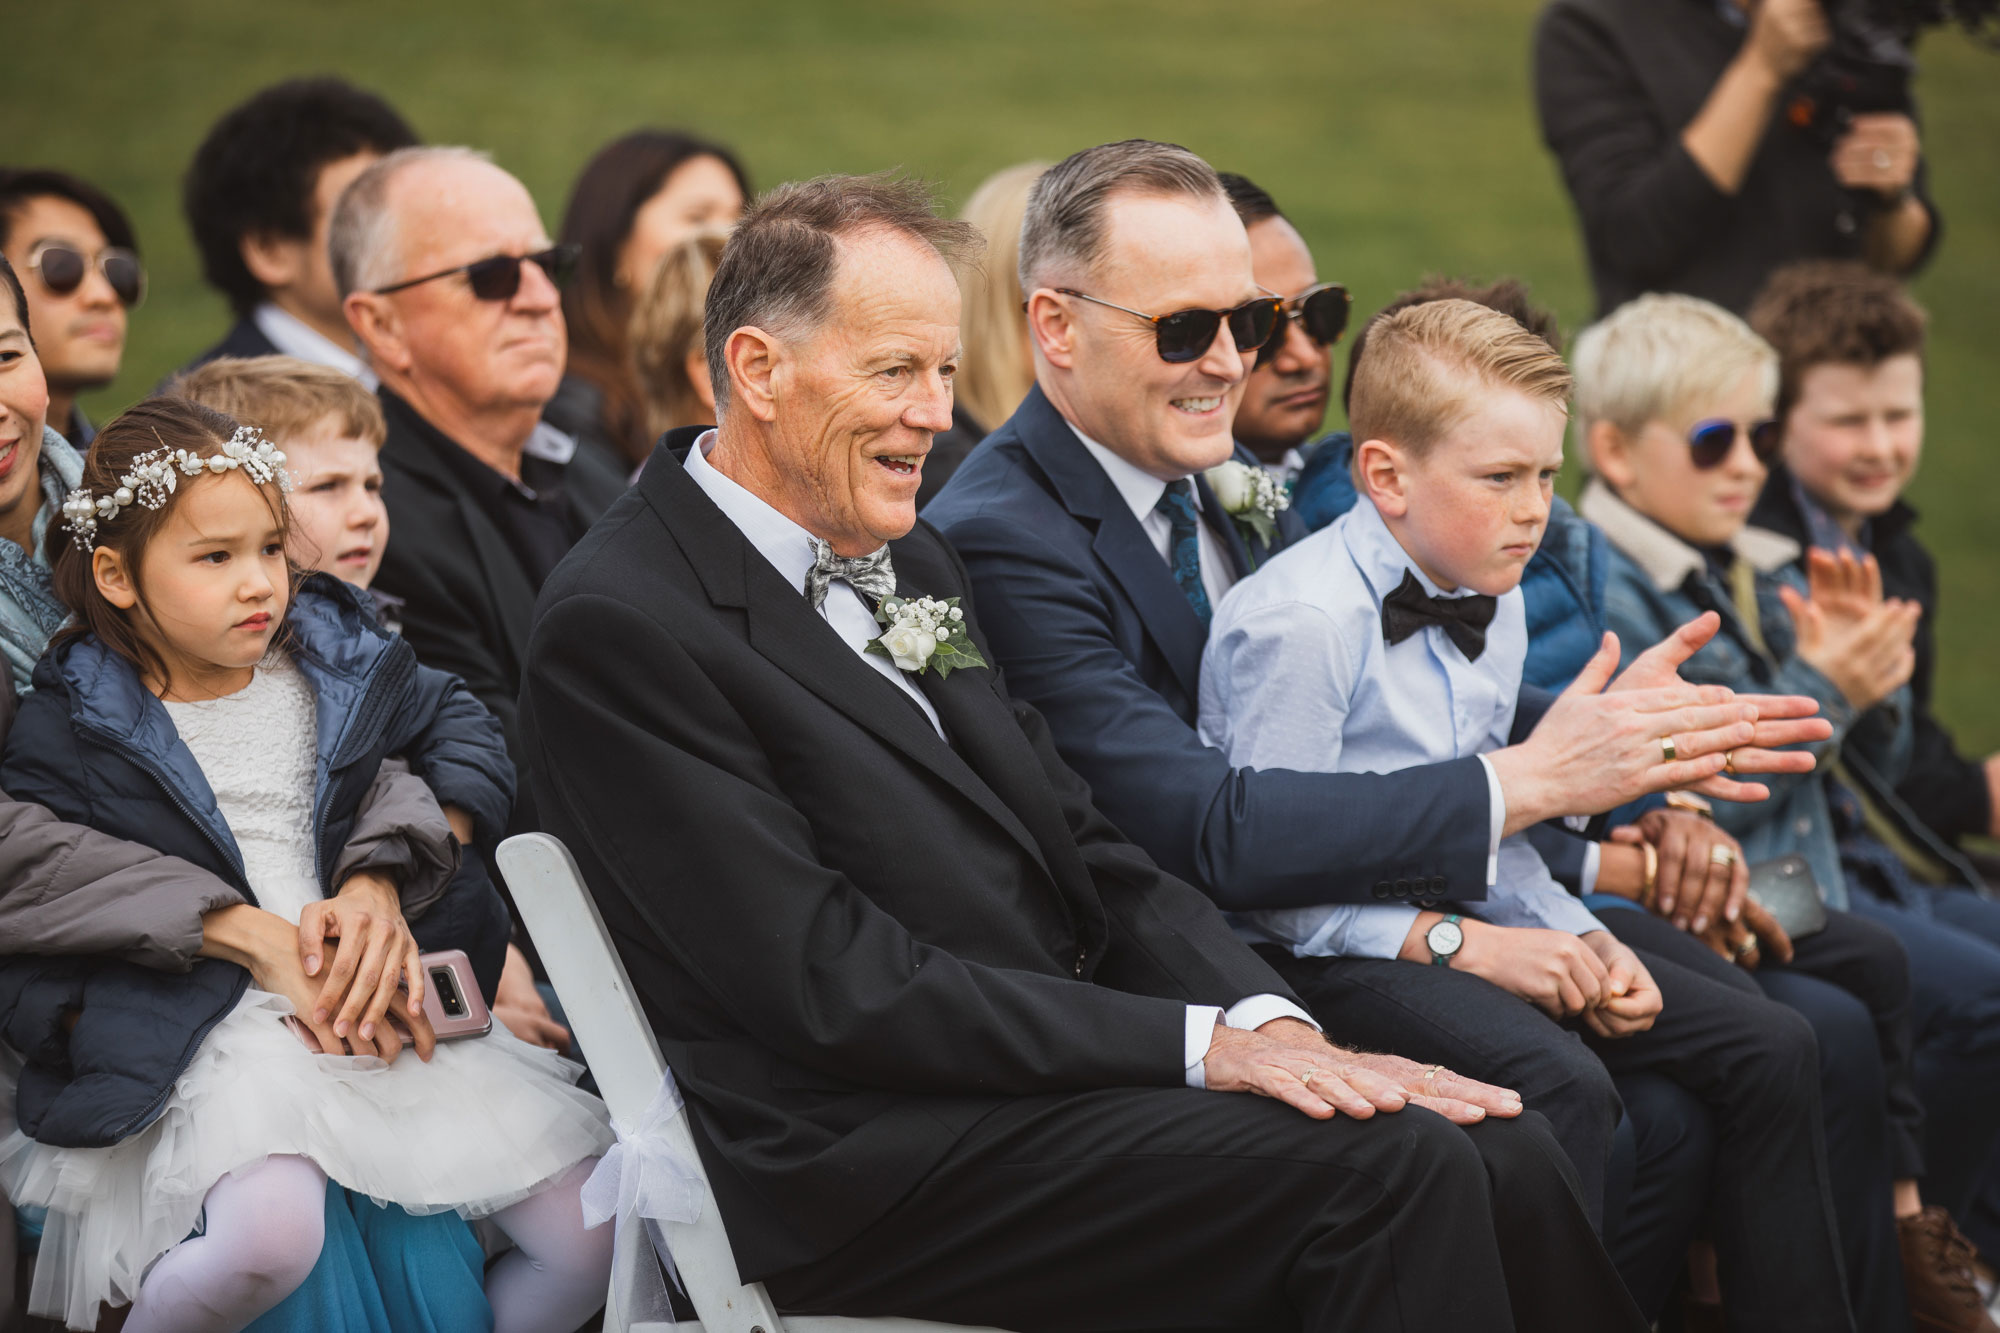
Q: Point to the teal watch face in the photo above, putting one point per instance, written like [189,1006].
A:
[1444,938]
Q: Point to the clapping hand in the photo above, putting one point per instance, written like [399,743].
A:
[1849,632]
[1287,1061]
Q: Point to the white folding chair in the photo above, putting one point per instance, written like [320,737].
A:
[602,1011]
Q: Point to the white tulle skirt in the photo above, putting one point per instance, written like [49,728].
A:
[488,1122]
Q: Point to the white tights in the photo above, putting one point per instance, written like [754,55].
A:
[266,1222]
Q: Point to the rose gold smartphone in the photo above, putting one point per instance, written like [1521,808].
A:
[452,1000]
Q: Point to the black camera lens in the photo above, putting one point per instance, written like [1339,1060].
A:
[446,987]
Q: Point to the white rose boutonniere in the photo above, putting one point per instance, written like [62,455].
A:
[1250,497]
[924,634]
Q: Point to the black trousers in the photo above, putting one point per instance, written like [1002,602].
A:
[1169,1209]
[1747,1061]
[1851,982]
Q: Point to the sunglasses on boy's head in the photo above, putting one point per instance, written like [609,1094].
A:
[1186,334]
[62,269]
[498,278]
[1321,311]
[1709,442]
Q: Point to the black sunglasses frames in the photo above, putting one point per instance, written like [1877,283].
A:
[1711,441]
[62,269]
[1185,335]
[499,278]
[1321,311]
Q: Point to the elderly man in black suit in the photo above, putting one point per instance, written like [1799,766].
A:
[451,284]
[954,1048]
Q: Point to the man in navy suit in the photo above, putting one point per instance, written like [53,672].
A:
[1097,550]
[258,198]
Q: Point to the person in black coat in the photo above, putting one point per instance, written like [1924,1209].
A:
[259,196]
[1671,121]
[952,1047]
[483,498]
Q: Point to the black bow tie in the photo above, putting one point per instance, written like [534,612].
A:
[1410,608]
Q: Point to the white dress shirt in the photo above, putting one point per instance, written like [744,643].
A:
[292,336]
[1142,491]
[789,549]
[1298,675]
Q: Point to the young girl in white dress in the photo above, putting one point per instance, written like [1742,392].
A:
[207,705]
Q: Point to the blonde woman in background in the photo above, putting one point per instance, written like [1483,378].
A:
[996,372]
[666,335]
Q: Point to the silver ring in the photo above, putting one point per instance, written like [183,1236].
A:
[1668,750]
[1746,947]
[1430,1075]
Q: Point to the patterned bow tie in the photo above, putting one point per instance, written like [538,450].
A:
[1463,619]
[870,575]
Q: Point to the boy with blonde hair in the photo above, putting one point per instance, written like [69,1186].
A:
[1396,637]
[331,430]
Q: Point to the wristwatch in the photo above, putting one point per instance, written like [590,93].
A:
[1445,939]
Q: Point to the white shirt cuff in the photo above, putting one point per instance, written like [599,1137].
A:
[1593,856]
[1248,1014]
[1258,1010]
[1496,814]
[1201,1021]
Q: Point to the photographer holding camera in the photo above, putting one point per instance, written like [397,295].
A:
[1708,142]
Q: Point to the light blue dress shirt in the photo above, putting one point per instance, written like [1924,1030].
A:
[789,549]
[1298,675]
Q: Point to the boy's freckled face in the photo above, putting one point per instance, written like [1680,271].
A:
[339,524]
[1477,501]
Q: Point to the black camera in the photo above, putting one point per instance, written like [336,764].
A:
[1868,64]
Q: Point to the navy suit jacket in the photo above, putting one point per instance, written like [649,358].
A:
[1091,629]
[243,339]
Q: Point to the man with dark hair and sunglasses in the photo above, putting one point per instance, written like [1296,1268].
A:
[452,286]
[1098,550]
[77,254]
[1284,400]
[259,196]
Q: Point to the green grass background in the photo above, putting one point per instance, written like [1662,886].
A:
[1400,137]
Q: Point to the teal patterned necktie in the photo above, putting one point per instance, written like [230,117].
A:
[1184,545]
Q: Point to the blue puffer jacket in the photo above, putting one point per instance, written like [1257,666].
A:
[95,746]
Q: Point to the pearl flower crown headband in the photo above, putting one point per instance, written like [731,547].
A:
[156,474]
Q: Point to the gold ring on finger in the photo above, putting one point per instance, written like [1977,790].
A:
[1668,750]
[1308,1077]
[1729,762]
[1722,855]
[1430,1075]
[1746,947]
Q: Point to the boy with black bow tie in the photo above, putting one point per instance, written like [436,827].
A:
[1397,637]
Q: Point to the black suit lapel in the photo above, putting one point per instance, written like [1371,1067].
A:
[508,589]
[1119,542]
[788,632]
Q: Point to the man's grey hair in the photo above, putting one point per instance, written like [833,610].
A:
[361,240]
[776,273]
[1062,232]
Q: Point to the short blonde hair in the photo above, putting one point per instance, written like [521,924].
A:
[1416,379]
[996,371]
[1657,357]
[667,329]
[284,397]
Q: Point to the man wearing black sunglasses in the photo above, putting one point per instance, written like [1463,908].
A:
[77,257]
[1284,401]
[453,289]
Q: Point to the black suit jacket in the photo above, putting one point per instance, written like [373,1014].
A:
[244,339]
[1094,632]
[467,599]
[853,940]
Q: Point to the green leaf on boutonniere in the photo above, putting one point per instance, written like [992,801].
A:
[924,634]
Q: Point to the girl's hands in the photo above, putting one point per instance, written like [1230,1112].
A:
[373,955]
